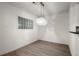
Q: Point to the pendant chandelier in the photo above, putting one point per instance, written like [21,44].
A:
[41,21]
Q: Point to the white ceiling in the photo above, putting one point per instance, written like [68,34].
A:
[49,8]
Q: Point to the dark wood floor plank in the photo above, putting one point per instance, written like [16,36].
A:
[42,48]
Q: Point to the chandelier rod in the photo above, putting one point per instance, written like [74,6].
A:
[42,9]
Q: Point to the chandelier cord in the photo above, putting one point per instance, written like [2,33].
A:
[42,11]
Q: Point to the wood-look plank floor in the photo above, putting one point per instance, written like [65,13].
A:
[42,48]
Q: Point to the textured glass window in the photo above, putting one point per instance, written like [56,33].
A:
[24,23]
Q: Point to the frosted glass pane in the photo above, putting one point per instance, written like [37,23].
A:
[24,23]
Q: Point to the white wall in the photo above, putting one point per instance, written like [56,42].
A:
[72,28]
[41,31]
[11,37]
[57,29]
[50,35]
[62,27]
[74,21]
